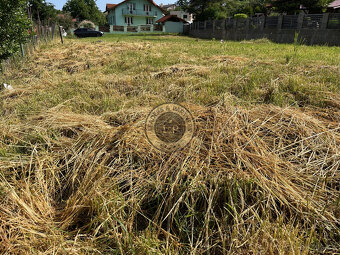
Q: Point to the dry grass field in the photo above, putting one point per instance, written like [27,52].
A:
[261,175]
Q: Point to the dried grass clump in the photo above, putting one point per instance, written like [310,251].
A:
[230,59]
[181,70]
[264,180]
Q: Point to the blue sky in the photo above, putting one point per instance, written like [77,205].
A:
[101,3]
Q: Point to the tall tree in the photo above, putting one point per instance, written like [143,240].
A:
[42,11]
[291,6]
[85,10]
[219,9]
[183,4]
[316,6]
[211,9]
[14,26]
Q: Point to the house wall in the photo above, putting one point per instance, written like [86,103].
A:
[111,19]
[116,17]
[182,14]
[173,27]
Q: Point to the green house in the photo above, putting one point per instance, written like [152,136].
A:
[133,13]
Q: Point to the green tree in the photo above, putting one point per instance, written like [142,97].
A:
[316,6]
[291,7]
[183,4]
[220,9]
[205,10]
[85,10]
[42,11]
[286,6]
[248,7]
[14,26]
[65,20]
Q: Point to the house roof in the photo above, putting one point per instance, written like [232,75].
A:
[335,4]
[113,6]
[110,6]
[169,5]
[170,18]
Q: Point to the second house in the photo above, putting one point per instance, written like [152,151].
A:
[133,13]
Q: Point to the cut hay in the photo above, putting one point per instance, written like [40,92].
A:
[99,174]
[260,176]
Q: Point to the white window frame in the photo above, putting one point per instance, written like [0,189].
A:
[129,21]
[147,7]
[149,21]
[131,6]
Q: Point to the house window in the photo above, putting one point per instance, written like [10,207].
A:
[129,20]
[149,21]
[131,6]
[147,7]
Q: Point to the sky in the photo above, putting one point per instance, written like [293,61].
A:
[102,3]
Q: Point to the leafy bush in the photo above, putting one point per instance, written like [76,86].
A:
[14,26]
[65,20]
[87,24]
[240,16]
[85,10]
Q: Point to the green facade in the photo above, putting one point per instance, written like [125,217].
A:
[174,27]
[134,11]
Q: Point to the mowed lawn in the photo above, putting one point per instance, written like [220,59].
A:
[261,175]
[119,72]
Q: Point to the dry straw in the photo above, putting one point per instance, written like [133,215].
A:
[100,177]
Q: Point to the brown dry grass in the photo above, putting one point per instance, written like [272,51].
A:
[77,180]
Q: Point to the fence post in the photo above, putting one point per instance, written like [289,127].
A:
[279,22]
[45,34]
[151,28]
[213,25]
[223,24]
[111,29]
[61,35]
[97,28]
[263,23]
[324,21]
[247,24]
[22,50]
[234,23]
[163,28]
[300,20]
[33,41]
[52,31]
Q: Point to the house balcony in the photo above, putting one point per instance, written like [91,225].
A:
[139,13]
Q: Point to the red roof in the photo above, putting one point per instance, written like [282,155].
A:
[110,6]
[113,6]
[171,18]
[335,4]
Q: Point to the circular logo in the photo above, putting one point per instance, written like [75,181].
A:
[169,127]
